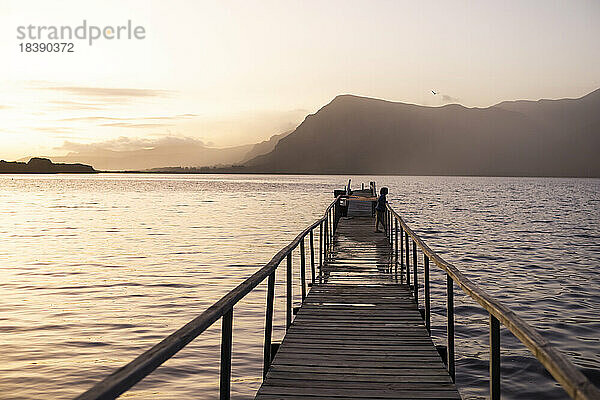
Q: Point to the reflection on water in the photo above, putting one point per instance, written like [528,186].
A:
[96,269]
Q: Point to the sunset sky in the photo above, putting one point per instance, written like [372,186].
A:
[237,72]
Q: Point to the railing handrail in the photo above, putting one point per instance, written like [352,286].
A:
[127,376]
[573,381]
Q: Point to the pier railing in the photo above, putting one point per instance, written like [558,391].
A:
[400,235]
[127,376]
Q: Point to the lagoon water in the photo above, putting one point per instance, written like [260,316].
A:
[95,269]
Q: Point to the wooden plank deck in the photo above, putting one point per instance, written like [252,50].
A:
[358,334]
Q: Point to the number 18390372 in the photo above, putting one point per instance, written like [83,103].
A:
[35,47]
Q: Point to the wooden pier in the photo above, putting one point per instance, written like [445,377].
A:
[360,332]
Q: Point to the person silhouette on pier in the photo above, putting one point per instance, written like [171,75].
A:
[380,208]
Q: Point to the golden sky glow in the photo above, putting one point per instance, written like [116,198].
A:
[236,72]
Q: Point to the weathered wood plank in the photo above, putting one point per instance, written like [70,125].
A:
[382,393]
[361,357]
[360,385]
[359,371]
[311,377]
[376,365]
[324,351]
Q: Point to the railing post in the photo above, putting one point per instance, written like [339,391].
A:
[329,236]
[494,358]
[225,376]
[389,221]
[415,280]
[401,252]
[302,270]
[396,243]
[427,293]
[288,292]
[331,221]
[335,215]
[321,252]
[328,227]
[387,225]
[331,228]
[312,257]
[332,217]
[326,238]
[407,259]
[268,323]
[450,326]
[386,231]
[392,231]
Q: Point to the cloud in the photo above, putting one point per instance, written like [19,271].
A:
[95,118]
[136,122]
[75,105]
[444,98]
[100,92]
[124,143]
[175,117]
[54,129]
[449,99]
[131,120]
[134,125]
[70,137]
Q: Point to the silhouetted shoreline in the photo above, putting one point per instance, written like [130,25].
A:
[245,171]
[43,166]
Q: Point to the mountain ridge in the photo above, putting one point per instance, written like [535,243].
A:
[355,134]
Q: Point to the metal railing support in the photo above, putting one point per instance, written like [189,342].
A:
[288,292]
[450,326]
[226,340]
[407,259]
[326,239]
[321,252]
[416,279]
[390,233]
[302,270]
[494,358]
[312,257]
[396,241]
[427,293]
[401,252]
[268,323]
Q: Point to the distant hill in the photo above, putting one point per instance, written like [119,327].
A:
[167,152]
[264,147]
[361,135]
[43,166]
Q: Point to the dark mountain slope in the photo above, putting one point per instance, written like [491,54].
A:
[363,135]
[264,147]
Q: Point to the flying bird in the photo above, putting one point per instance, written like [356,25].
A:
[433,92]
